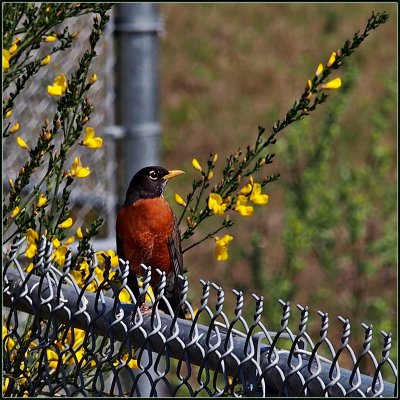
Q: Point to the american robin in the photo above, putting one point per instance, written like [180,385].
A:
[147,232]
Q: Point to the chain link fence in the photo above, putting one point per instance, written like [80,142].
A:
[97,195]
[73,334]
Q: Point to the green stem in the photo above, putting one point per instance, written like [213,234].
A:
[200,194]
[188,201]
[208,236]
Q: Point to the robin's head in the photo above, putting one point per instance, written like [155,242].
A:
[149,183]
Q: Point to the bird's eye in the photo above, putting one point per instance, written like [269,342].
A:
[153,175]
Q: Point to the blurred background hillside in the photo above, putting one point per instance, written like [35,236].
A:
[327,238]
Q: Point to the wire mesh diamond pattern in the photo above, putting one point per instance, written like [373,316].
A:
[65,334]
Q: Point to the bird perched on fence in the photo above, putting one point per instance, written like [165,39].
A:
[147,232]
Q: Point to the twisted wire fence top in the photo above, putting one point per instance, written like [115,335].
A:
[67,336]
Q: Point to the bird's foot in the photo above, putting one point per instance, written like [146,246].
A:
[145,309]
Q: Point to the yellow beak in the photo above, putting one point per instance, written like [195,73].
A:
[173,173]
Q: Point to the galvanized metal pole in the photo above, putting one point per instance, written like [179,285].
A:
[137,29]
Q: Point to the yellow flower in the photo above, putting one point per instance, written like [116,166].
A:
[21,143]
[77,170]
[46,60]
[13,48]
[29,268]
[6,59]
[81,273]
[51,38]
[6,382]
[246,190]
[69,240]
[215,158]
[79,233]
[31,251]
[59,86]
[132,363]
[221,249]
[333,84]
[79,355]
[210,175]
[46,135]
[14,128]
[17,40]
[59,254]
[32,238]
[188,315]
[124,296]
[150,295]
[52,358]
[110,253]
[332,59]
[93,79]
[91,141]
[178,199]
[100,271]
[257,197]
[42,200]
[15,212]
[76,338]
[9,113]
[242,208]
[9,343]
[196,165]
[215,204]
[319,70]
[66,224]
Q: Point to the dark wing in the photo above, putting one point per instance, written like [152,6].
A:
[173,288]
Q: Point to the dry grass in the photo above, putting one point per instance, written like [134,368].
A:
[227,68]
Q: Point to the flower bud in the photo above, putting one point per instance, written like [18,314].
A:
[179,200]
[196,165]
[333,84]
[93,79]
[332,59]
[45,60]
[319,70]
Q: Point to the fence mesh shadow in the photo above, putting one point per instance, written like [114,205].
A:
[73,333]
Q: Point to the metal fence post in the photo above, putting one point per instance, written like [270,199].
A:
[137,27]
